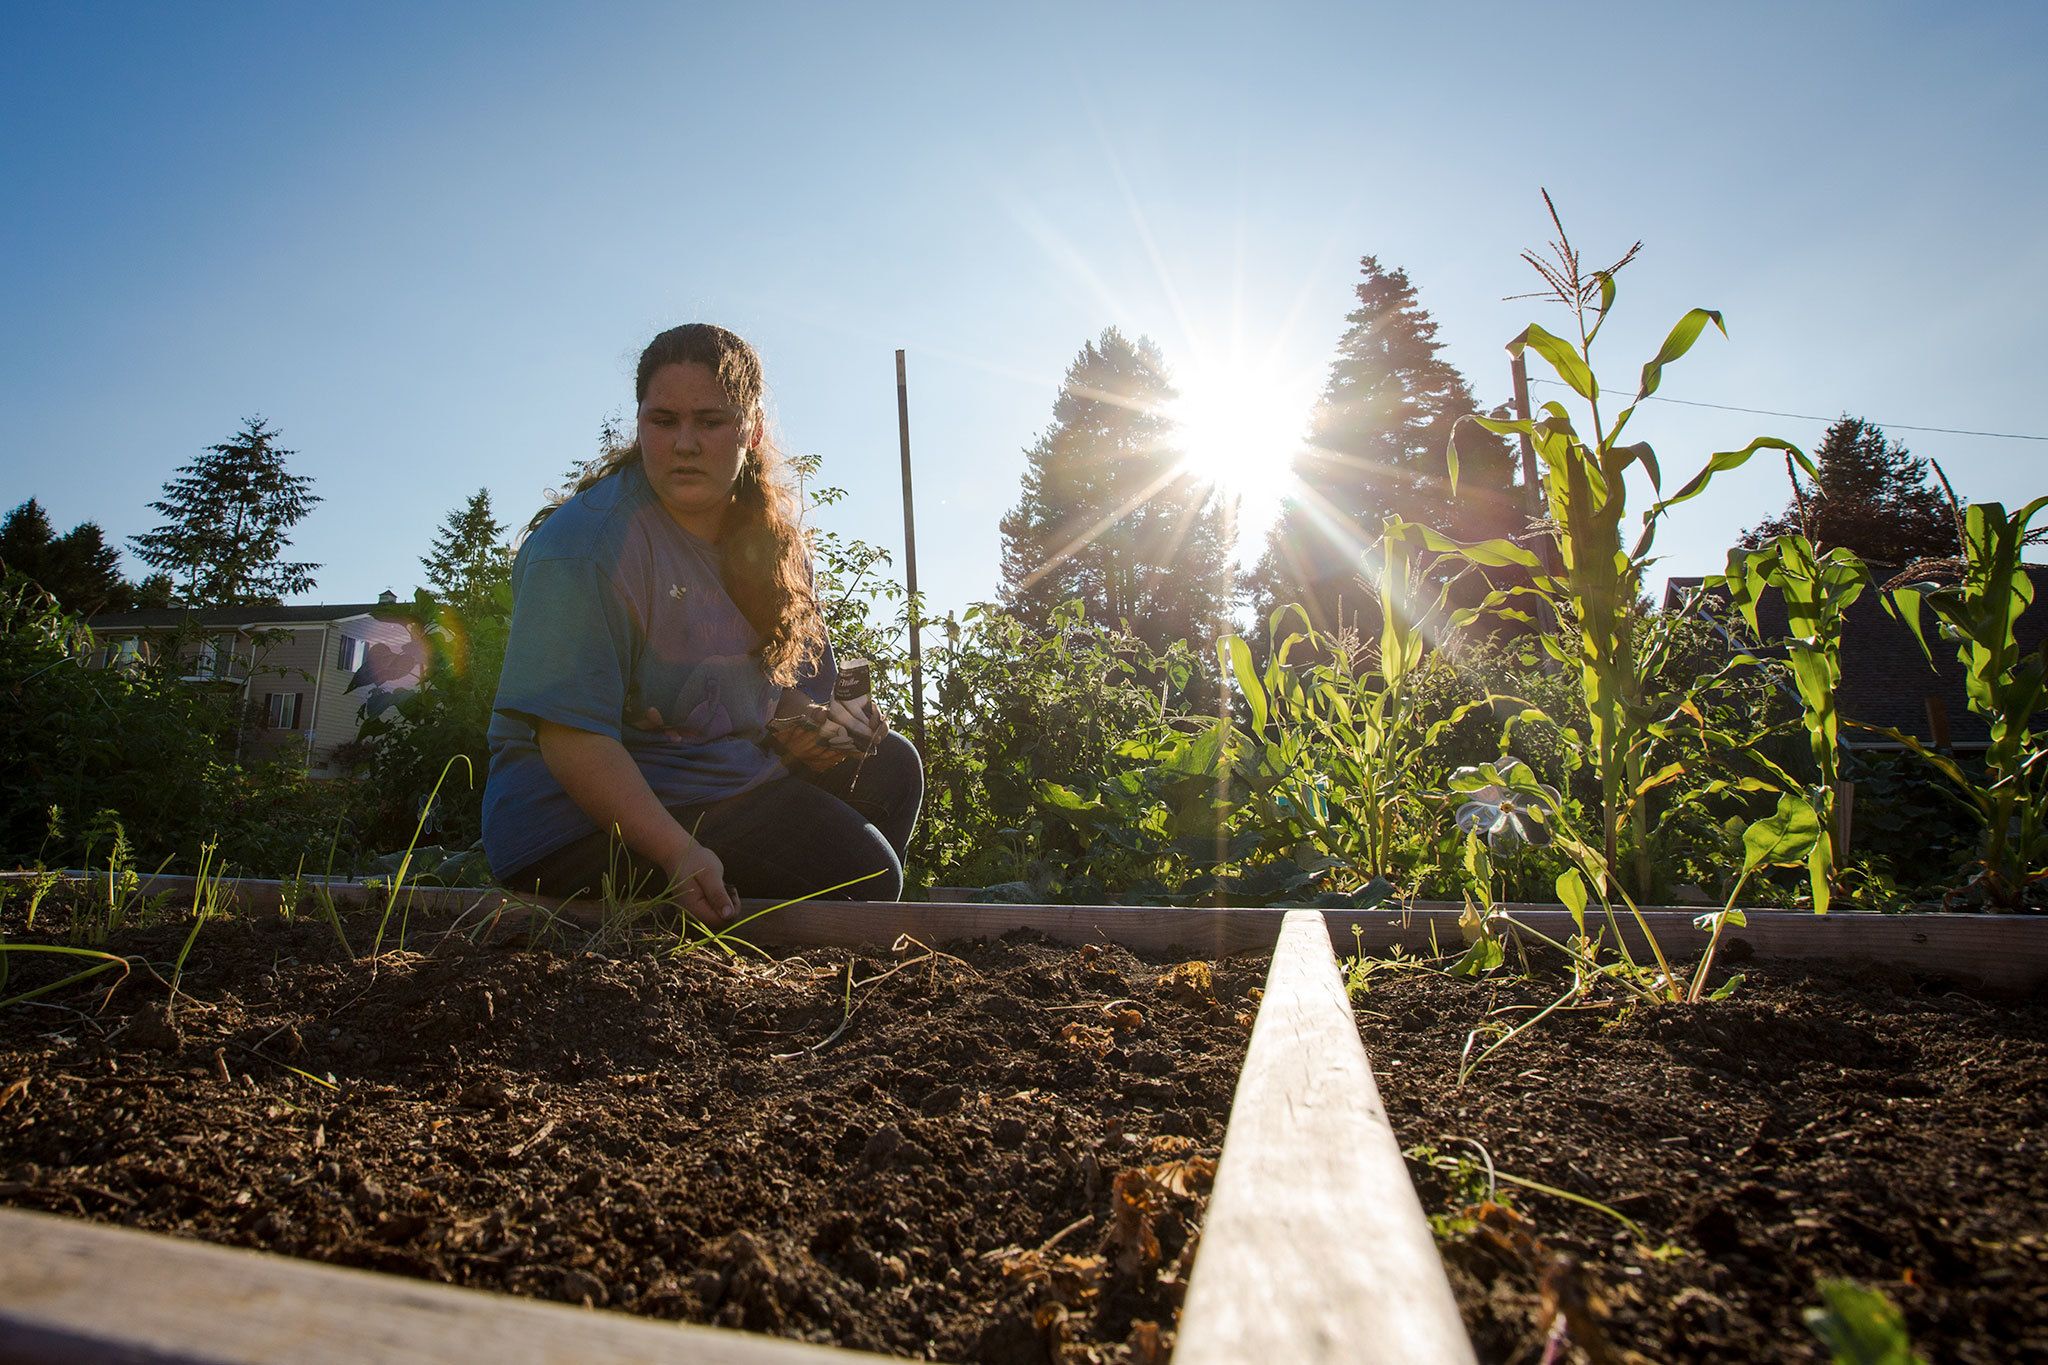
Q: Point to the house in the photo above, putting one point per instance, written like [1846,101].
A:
[1886,678]
[298,671]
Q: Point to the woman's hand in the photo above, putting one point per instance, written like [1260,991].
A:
[861,724]
[700,890]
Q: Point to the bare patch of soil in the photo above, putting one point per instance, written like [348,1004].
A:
[1871,1127]
[1002,1156]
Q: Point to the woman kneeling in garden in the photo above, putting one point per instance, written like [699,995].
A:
[666,714]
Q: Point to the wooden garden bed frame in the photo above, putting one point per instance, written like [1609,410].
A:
[1314,1248]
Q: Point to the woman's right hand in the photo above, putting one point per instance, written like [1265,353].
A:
[699,879]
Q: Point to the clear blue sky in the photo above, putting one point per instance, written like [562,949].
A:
[427,241]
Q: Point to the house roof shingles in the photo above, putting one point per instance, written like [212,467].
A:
[157,618]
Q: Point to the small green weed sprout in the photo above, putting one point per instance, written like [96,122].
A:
[1861,1326]
[405,863]
[209,898]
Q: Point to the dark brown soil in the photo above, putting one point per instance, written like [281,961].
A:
[1872,1128]
[1005,1149]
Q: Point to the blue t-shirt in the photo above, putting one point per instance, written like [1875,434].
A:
[622,626]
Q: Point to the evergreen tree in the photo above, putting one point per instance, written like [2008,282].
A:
[230,516]
[78,568]
[1378,443]
[1873,497]
[1108,516]
[469,560]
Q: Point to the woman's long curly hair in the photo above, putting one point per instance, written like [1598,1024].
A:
[765,559]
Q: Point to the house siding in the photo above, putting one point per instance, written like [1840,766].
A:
[271,657]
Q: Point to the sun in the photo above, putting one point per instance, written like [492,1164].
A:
[1238,431]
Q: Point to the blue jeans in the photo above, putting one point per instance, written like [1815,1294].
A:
[793,836]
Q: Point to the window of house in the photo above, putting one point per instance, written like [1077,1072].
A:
[216,652]
[282,711]
[125,653]
[351,656]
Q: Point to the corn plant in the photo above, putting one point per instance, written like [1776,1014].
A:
[1334,752]
[1817,591]
[1589,576]
[2005,686]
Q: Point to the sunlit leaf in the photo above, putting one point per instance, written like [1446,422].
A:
[1783,838]
[1677,344]
[1559,353]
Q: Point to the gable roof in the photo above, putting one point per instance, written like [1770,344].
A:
[1886,679]
[159,618]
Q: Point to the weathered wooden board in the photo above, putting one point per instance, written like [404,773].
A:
[92,1295]
[2004,952]
[1314,1248]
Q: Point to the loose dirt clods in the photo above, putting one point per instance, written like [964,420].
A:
[952,1176]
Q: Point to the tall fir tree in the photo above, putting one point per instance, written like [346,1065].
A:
[1873,497]
[78,568]
[469,561]
[1108,515]
[1378,445]
[230,514]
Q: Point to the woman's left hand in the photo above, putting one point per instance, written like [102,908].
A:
[858,724]
[805,736]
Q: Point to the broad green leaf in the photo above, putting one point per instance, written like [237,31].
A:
[1782,838]
[1484,956]
[1560,355]
[1571,890]
[1066,799]
[1677,344]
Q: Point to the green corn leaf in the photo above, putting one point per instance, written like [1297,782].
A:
[1820,860]
[1734,459]
[1493,554]
[1606,280]
[1236,656]
[1670,772]
[1559,353]
[1641,453]
[1905,604]
[1677,344]
[1500,426]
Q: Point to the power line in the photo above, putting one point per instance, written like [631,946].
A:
[1810,417]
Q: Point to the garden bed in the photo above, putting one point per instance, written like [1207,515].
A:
[1876,1127]
[1004,1147]
[695,1139]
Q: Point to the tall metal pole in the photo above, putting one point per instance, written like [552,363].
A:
[910,557]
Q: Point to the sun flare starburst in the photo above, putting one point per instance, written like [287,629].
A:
[1239,432]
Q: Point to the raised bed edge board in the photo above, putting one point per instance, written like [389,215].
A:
[81,1292]
[1314,1247]
[2007,953]
[1322,1253]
